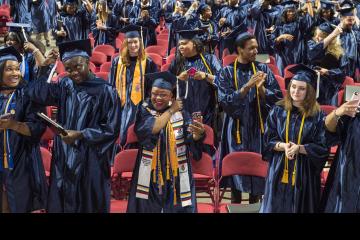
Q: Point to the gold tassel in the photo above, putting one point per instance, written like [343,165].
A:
[175,199]
[238,138]
[293,178]
[285,177]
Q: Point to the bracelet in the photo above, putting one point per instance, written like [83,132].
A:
[336,116]
[35,51]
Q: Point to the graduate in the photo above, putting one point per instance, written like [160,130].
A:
[125,10]
[88,110]
[162,180]
[264,16]
[127,76]
[295,147]
[350,38]
[103,24]
[197,72]
[247,91]
[31,56]
[41,22]
[22,175]
[288,38]
[74,21]
[327,56]
[341,194]
[326,13]
[20,11]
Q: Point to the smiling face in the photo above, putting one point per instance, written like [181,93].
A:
[186,47]
[348,21]
[160,98]
[11,76]
[298,91]
[249,51]
[78,69]
[133,45]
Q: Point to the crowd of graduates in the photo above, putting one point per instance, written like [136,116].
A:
[274,109]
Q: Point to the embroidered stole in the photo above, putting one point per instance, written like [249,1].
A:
[137,90]
[176,164]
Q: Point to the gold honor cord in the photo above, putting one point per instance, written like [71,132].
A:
[238,138]
[285,177]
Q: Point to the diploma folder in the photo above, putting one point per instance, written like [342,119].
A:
[54,126]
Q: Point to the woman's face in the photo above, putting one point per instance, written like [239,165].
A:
[207,13]
[11,74]
[319,36]
[133,46]
[186,47]
[11,41]
[71,9]
[298,91]
[326,13]
[160,98]
[290,15]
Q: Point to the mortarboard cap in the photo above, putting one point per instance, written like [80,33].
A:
[132,31]
[326,4]
[289,4]
[327,27]
[70,2]
[347,8]
[202,8]
[186,3]
[189,34]
[163,80]
[10,53]
[305,74]
[79,48]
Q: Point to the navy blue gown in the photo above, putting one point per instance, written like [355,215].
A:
[80,172]
[341,194]
[161,202]
[20,11]
[350,40]
[246,110]
[104,36]
[128,111]
[40,15]
[126,9]
[304,196]
[331,83]
[25,184]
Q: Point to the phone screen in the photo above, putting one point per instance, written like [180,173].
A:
[191,72]
[355,96]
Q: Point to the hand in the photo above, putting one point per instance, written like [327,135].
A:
[29,47]
[323,71]
[338,30]
[8,123]
[176,106]
[195,5]
[288,37]
[222,21]
[183,76]
[271,29]
[124,20]
[199,75]
[256,79]
[51,57]
[286,147]
[261,80]
[61,33]
[293,151]
[71,137]
[197,129]
[349,108]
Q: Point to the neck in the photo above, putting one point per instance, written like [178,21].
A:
[134,54]
[192,54]
[7,92]
[242,60]
[296,104]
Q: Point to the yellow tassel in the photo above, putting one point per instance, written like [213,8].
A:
[238,138]
[293,178]
[285,177]
[175,200]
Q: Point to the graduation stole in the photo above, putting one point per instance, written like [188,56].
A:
[285,177]
[137,90]
[176,163]
[238,138]
[8,162]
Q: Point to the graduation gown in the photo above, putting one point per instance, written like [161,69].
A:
[209,38]
[128,111]
[246,110]
[263,19]
[149,34]
[104,36]
[341,194]
[350,40]
[80,172]
[20,11]
[157,203]
[331,83]
[291,52]
[25,184]
[201,94]
[304,196]
[126,9]
[40,15]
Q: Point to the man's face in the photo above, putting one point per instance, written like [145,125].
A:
[78,69]
[249,51]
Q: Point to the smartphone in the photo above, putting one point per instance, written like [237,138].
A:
[196,117]
[191,71]
[355,96]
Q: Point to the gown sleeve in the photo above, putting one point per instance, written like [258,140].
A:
[144,123]
[43,93]
[271,136]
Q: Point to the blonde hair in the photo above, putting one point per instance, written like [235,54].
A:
[309,107]
[334,48]
[125,55]
[103,15]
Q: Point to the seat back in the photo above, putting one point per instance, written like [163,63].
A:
[46,158]
[103,75]
[274,69]
[105,67]
[165,67]
[156,49]
[156,58]
[229,59]
[131,135]
[170,58]
[244,163]
[98,58]
[348,81]
[108,50]
[327,108]
[281,81]
[125,161]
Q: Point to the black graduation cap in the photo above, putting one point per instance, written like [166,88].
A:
[289,4]
[347,8]
[79,48]
[327,27]
[70,2]
[187,3]
[305,74]
[189,34]
[132,31]
[10,53]
[229,40]
[326,4]
[163,80]
[201,8]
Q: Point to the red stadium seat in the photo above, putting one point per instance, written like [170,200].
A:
[156,58]
[327,108]
[105,67]
[348,81]
[272,60]
[341,97]
[162,43]
[46,159]
[92,67]
[165,67]
[103,75]
[98,58]
[229,59]
[281,81]
[164,31]
[173,50]
[118,43]
[287,73]
[156,49]
[106,49]
[164,37]
[170,58]
[274,69]
[60,68]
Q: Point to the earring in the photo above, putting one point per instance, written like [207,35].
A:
[170,103]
